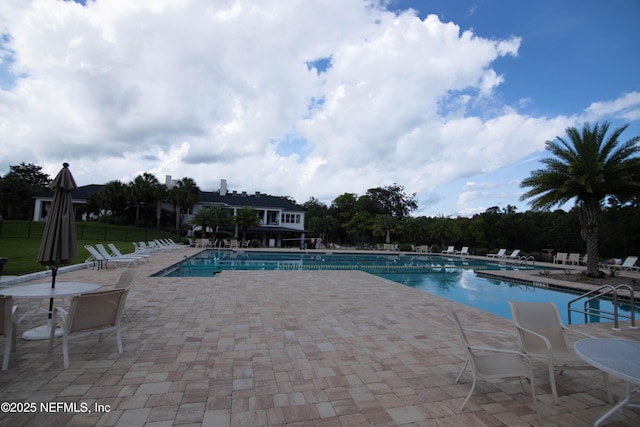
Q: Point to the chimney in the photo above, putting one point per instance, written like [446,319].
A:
[223,187]
[257,194]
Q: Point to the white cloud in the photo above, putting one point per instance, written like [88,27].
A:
[208,89]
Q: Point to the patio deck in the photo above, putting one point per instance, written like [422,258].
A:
[286,348]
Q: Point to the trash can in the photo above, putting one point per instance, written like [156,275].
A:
[3,261]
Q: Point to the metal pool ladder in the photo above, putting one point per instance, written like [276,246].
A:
[609,292]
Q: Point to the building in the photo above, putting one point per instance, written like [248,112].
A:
[79,198]
[281,220]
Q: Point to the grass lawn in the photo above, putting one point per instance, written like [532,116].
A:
[20,242]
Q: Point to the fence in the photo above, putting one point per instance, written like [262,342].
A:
[14,229]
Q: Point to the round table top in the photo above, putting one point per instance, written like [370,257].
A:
[617,357]
[44,290]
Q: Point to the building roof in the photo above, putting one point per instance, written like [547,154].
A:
[256,200]
[80,193]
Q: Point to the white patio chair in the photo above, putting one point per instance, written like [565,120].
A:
[514,255]
[8,327]
[490,363]
[463,251]
[573,259]
[560,258]
[92,313]
[501,254]
[125,282]
[543,337]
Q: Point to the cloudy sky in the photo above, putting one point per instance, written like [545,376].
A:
[313,98]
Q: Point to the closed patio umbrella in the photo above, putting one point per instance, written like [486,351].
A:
[58,246]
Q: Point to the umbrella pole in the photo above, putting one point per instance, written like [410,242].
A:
[54,273]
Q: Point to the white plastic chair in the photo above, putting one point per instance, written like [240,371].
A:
[501,254]
[125,281]
[96,312]
[115,252]
[490,363]
[8,327]
[543,337]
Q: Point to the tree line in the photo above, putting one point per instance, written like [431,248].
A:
[591,166]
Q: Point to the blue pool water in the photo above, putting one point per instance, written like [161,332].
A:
[453,278]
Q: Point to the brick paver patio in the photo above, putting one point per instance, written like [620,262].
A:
[285,348]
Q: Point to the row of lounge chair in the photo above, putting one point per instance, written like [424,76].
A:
[502,253]
[451,250]
[101,257]
[628,264]
[218,243]
[155,245]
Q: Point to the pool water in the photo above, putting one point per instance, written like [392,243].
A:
[453,278]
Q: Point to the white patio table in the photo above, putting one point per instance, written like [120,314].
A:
[620,358]
[44,291]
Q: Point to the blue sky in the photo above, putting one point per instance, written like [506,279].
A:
[451,99]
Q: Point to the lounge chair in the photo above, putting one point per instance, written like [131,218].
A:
[491,363]
[97,260]
[95,312]
[139,250]
[543,337]
[115,252]
[148,248]
[630,263]
[560,258]
[103,251]
[463,251]
[514,255]
[449,250]
[173,243]
[501,254]
[8,327]
[573,259]
[584,259]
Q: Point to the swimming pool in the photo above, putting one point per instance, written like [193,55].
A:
[453,278]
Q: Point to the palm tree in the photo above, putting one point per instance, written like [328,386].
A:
[444,229]
[587,167]
[184,194]
[323,225]
[219,215]
[246,217]
[142,191]
[159,192]
[206,217]
[384,225]
[113,197]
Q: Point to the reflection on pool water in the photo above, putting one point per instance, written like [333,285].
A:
[448,277]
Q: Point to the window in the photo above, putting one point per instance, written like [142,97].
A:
[290,218]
